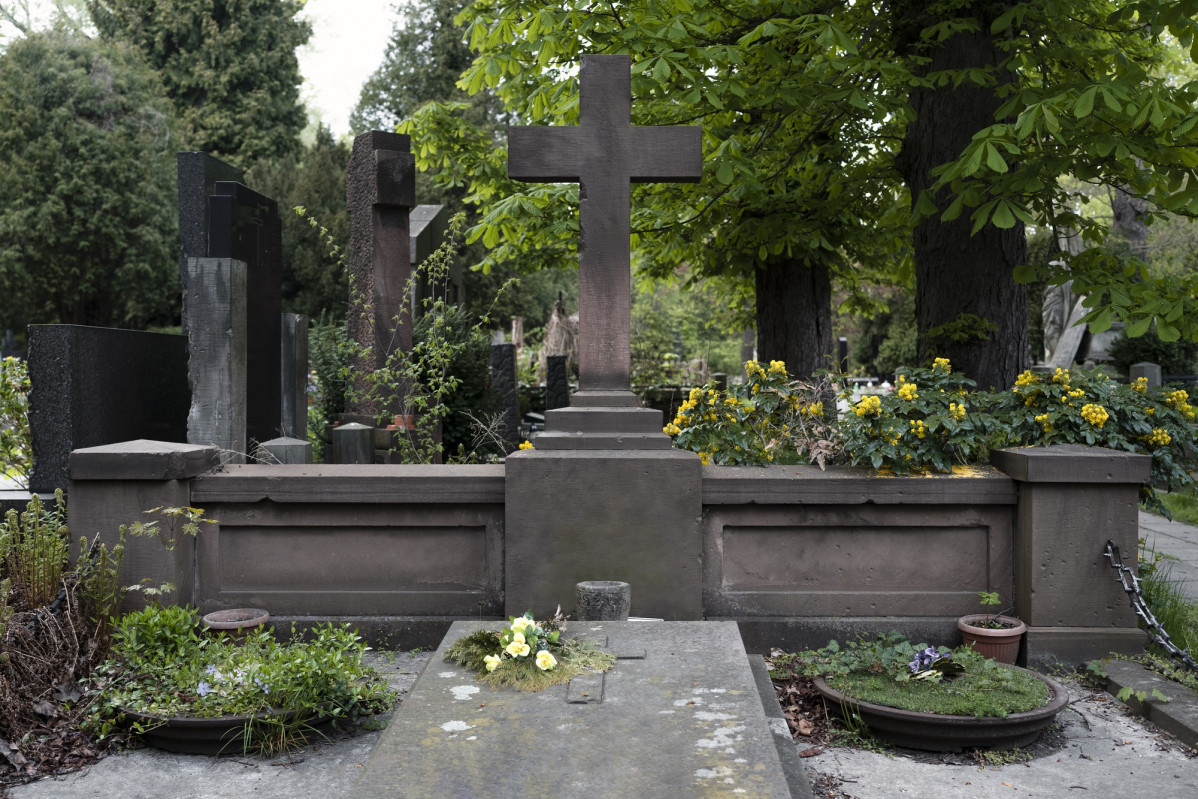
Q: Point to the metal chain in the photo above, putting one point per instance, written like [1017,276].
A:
[1155,631]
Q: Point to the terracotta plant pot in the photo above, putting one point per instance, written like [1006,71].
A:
[937,733]
[999,644]
[238,622]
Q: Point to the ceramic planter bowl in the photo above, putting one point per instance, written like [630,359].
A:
[238,622]
[1000,644]
[224,735]
[937,733]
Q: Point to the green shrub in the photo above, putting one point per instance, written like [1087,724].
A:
[16,444]
[767,419]
[929,422]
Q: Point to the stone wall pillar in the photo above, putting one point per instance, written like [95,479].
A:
[631,516]
[1072,499]
[115,484]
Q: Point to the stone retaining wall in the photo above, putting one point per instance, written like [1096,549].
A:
[795,555]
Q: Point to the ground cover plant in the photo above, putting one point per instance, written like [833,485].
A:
[163,663]
[890,670]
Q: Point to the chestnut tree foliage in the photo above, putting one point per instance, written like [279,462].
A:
[856,142]
[87,224]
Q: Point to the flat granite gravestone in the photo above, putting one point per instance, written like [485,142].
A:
[679,715]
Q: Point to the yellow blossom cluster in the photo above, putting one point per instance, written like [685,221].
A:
[1061,376]
[957,411]
[1180,400]
[1044,423]
[1141,385]
[1095,414]
[812,410]
[1159,438]
[907,391]
[919,428]
[1025,379]
[778,368]
[526,444]
[1077,392]
[870,405]
[671,429]
[942,363]
[753,369]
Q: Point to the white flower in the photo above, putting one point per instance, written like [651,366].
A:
[492,662]
[545,661]
[521,624]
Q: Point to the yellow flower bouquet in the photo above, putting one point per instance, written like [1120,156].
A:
[528,654]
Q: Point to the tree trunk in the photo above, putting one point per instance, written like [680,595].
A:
[794,315]
[967,305]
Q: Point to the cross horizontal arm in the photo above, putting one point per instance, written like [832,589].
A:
[545,154]
[666,154]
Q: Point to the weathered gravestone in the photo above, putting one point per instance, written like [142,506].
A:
[222,221]
[557,383]
[626,504]
[503,384]
[682,713]
[380,193]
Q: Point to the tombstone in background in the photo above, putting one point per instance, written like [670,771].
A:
[557,383]
[427,225]
[626,503]
[221,218]
[293,384]
[380,193]
[503,383]
[217,367]
[93,386]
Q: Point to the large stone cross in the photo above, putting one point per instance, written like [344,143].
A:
[605,153]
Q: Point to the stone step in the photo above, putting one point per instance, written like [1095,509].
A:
[680,715]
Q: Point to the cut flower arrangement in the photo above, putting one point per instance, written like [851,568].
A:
[528,654]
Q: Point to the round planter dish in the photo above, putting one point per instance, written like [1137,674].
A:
[999,644]
[938,733]
[238,622]
[224,735]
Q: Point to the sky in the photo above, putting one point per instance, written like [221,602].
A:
[347,45]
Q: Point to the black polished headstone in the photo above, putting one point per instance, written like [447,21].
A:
[93,386]
[503,384]
[557,383]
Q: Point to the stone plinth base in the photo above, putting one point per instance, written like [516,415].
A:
[632,516]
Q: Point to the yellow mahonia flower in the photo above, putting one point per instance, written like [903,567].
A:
[1026,379]
[1141,385]
[705,458]
[869,405]
[1077,392]
[1043,420]
[919,428]
[942,363]
[695,395]
[812,409]
[1159,438]
[1061,376]
[1150,410]
[956,411]
[1095,414]
[671,430]
[526,444]
[907,391]
[778,368]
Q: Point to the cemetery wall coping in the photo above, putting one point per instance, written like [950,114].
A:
[391,484]
[1072,463]
[837,485]
[143,460]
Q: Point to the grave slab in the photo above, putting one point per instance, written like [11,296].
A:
[681,716]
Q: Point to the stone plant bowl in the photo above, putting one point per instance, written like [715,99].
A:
[224,735]
[939,733]
[237,623]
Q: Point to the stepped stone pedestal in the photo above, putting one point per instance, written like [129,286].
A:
[682,713]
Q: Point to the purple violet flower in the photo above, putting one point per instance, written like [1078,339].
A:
[203,689]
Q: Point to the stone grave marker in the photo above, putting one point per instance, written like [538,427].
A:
[503,384]
[681,714]
[380,193]
[605,154]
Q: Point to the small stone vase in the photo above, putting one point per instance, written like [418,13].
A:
[237,623]
[999,644]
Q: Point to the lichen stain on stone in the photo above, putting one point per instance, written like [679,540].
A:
[462,693]
[456,726]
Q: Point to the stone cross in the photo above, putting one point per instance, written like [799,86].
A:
[605,153]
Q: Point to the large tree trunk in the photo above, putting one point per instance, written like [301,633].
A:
[967,305]
[794,315]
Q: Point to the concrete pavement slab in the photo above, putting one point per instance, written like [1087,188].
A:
[1180,541]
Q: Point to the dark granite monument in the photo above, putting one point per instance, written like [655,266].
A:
[503,384]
